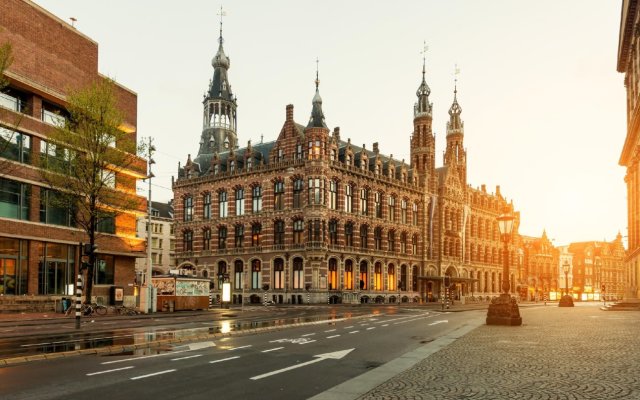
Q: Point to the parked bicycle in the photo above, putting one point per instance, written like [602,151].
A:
[87,309]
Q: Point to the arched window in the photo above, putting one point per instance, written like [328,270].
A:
[377,276]
[348,275]
[391,276]
[256,268]
[364,275]
[278,273]
[238,275]
[298,273]
[333,274]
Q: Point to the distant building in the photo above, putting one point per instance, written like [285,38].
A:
[565,258]
[629,64]
[598,269]
[310,217]
[39,243]
[162,240]
[540,268]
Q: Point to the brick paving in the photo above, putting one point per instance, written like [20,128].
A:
[558,353]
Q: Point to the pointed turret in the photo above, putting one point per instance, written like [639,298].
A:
[220,117]
[423,141]
[455,124]
[317,116]
[423,107]
[455,154]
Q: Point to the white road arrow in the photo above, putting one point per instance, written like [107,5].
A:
[336,355]
[444,321]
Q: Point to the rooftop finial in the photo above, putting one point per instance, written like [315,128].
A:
[425,48]
[221,13]
[456,72]
[317,79]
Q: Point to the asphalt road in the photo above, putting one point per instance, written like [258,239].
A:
[293,363]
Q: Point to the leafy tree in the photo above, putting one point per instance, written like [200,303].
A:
[82,164]
[5,61]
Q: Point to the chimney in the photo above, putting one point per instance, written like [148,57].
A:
[484,188]
[498,191]
[289,112]
[375,148]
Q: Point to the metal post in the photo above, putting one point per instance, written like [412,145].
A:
[149,260]
[242,299]
[78,299]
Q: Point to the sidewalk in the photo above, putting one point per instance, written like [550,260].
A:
[558,353]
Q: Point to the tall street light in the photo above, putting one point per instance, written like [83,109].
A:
[566,300]
[504,309]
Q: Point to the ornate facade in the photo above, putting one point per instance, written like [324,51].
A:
[629,64]
[310,217]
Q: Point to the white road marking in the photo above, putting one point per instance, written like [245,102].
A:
[348,327]
[223,359]
[109,370]
[308,334]
[143,357]
[187,357]
[330,330]
[201,345]
[439,322]
[335,355]
[274,349]
[239,347]
[385,325]
[370,328]
[354,331]
[154,374]
[308,341]
[331,337]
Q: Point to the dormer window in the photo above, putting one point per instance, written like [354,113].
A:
[232,165]
[347,159]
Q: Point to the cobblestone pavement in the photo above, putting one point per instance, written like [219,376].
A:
[558,353]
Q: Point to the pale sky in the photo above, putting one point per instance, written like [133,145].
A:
[543,105]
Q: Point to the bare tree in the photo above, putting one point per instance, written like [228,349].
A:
[83,163]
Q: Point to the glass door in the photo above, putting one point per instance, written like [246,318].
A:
[8,276]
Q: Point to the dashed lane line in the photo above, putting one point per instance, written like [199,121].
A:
[239,347]
[109,370]
[223,359]
[371,327]
[154,374]
[330,330]
[274,349]
[308,341]
[348,327]
[187,357]
[308,334]
[354,331]
[144,357]
[331,337]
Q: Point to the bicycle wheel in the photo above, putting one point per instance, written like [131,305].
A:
[100,310]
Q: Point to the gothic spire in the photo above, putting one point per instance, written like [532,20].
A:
[455,124]
[220,87]
[422,106]
[317,116]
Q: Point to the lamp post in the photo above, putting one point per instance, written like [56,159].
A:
[566,300]
[504,310]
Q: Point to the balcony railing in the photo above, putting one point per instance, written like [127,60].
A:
[51,118]
[10,102]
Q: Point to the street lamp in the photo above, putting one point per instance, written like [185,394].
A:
[566,300]
[504,310]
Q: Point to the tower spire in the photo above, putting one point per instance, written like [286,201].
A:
[220,117]
[455,124]
[317,116]
[422,106]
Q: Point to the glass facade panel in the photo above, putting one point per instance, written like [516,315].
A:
[13,266]
[55,268]
[14,199]
[15,146]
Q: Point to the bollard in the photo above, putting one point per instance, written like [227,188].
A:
[78,300]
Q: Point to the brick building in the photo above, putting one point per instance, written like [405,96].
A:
[598,269]
[310,217]
[540,266]
[629,64]
[39,252]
